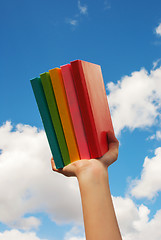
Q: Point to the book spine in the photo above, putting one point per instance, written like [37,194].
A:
[50,97]
[47,122]
[75,112]
[60,95]
[85,108]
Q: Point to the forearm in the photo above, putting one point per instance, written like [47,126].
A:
[99,216]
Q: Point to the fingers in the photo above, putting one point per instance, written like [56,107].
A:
[112,154]
[54,166]
[112,140]
[67,171]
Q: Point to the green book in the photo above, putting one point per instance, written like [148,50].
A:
[50,97]
[47,122]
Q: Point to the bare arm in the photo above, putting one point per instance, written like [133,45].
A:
[99,216]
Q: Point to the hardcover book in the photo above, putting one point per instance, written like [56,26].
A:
[60,95]
[75,112]
[93,105]
[50,97]
[47,122]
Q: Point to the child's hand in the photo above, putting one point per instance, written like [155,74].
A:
[77,167]
[99,216]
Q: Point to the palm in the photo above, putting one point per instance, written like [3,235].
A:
[76,167]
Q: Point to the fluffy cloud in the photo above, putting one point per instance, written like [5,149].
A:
[75,234]
[15,234]
[27,183]
[135,100]
[134,220]
[130,217]
[158,30]
[28,186]
[150,182]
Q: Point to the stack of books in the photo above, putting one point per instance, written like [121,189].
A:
[74,109]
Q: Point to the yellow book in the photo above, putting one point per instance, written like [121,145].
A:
[61,99]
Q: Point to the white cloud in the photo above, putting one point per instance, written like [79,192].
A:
[134,220]
[72,22]
[135,100]
[150,182]
[130,217]
[156,136]
[17,235]
[27,182]
[75,20]
[82,9]
[158,30]
[28,186]
[76,233]
[156,63]
[26,223]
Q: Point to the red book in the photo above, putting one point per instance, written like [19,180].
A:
[93,105]
[75,111]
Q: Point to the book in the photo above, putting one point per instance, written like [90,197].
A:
[50,97]
[93,105]
[47,122]
[75,111]
[60,95]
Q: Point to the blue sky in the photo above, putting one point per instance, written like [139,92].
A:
[124,37]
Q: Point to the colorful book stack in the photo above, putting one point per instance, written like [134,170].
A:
[74,109]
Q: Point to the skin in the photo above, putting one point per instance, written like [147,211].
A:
[98,212]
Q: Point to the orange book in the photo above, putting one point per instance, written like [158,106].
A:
[61,99]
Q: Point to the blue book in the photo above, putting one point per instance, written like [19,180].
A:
[47,121]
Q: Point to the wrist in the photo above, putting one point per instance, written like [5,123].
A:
[96,171]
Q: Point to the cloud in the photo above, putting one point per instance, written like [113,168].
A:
[149,183]
[15,234]
[134,220]
[26,223]
[131,218]
[27,183]
[156,63]
[135,100]
[156,136]
[158,30]
[28,186]
[74,21]
[150,230]
[75,234]
[82,9]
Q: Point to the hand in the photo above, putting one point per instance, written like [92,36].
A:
[77,167]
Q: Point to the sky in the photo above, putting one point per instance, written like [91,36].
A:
[124,37]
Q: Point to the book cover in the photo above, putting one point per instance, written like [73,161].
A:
[60,95]
[47,122]
[50,97]
[75,111]
[93,105]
